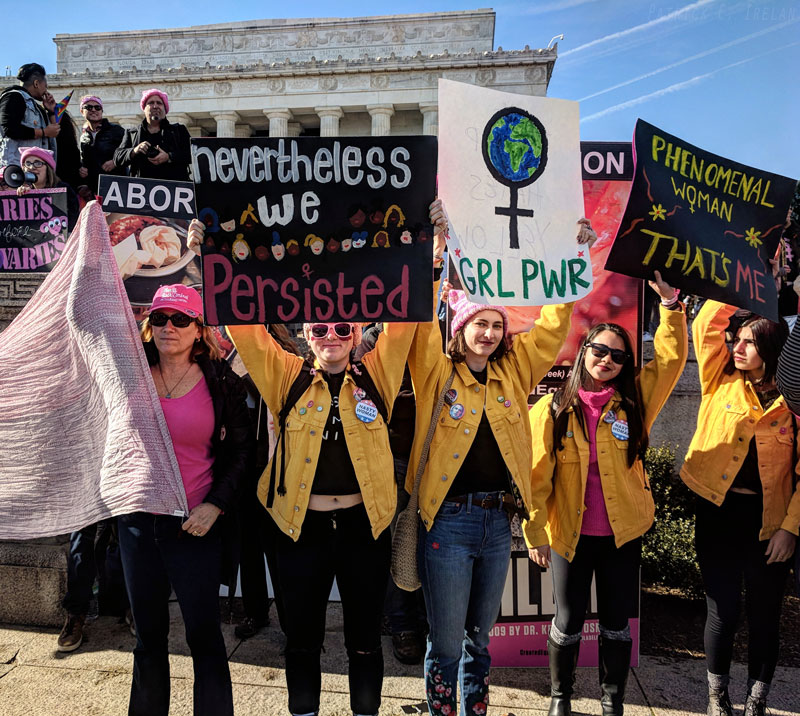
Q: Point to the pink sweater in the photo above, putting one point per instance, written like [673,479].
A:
[190,420]
[595,516]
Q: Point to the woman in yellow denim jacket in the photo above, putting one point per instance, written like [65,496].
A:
[591,498]
[741,465]
[477,473]
[331,492]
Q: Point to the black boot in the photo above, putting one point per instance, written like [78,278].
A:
[615,663]
[719,703]
[563,662]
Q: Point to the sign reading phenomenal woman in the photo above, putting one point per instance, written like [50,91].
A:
[316,229]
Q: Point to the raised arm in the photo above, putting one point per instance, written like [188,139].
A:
[708,336]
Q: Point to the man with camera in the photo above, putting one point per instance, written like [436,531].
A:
[156,149]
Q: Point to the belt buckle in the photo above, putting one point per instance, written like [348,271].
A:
[489,502]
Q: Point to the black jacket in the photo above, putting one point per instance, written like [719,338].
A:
[98,149]
[232,443]
[175,142]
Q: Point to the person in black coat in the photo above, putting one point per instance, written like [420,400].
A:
[204,405]
[156,149]
[98,143]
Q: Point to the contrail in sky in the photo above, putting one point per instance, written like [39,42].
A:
[679,86]
[638,28]
[698,56]
[542,8]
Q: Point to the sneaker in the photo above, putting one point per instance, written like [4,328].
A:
[71,636]
[250,627]
[407,647]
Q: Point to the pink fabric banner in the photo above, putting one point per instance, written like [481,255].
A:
[82,434]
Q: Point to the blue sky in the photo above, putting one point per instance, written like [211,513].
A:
[720,74]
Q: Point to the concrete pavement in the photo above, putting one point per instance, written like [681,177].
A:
[36,680]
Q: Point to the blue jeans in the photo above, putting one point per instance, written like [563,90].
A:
[86,558]
[463,562]
[157,556]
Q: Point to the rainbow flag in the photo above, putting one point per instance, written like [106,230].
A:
[62,105]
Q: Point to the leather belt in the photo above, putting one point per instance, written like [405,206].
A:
[490,502]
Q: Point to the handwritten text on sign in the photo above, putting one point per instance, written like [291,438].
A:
[316,229]
[33,229]
[709,224]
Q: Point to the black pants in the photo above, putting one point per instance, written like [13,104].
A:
[616,573]
[334,544]
[729,551]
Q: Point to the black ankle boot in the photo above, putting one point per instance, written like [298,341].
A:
[719,703]
[615,663]
[563,662]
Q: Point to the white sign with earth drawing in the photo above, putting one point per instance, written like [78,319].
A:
[510,178]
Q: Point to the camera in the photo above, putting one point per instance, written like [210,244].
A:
[14,176]
[152,152]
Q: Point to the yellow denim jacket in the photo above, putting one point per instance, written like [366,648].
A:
[559,481]
[505,398]
[273,370]
[730,416]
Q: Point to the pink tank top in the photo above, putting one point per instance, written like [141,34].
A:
[190,420]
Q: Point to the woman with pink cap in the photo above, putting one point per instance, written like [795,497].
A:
[42,163]
[476,478]
[204,403]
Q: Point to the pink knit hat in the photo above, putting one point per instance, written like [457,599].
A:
[464,309]
[87,98]
[44,154]
[182,298]
[147,94]
[357,331]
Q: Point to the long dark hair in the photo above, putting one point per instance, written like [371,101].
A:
[769,338]
[566,396]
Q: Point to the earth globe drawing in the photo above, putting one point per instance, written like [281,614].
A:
[514,146]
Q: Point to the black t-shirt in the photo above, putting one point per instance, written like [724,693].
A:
[484,469]
[335,474]
[748,477]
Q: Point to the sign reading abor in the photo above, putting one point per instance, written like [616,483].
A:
[33,229]
[316,229]
[708,224]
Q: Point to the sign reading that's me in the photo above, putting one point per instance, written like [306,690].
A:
[33,229]
[316,229]
[510,177]
[708,224]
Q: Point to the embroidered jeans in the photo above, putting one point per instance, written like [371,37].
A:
[463,562]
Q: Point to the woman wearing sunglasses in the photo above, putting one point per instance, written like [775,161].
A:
[330,490]
[591,498]
[741,465]
[204,403]
[42,163]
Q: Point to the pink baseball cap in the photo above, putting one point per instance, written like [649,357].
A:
[91,98]
[44,154]
[182,298]
[147,94]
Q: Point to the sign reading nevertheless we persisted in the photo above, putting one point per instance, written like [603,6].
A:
[708,224]
[510,177]
[33,229]
[316,229]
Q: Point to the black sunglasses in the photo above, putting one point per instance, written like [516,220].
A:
[90,107]
[342,330]
[179,320]
[600,350]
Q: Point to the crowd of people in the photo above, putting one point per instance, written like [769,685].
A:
[310,457]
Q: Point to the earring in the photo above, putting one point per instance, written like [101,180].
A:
[196,340]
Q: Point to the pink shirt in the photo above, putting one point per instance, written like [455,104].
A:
[595,516]
[190,420]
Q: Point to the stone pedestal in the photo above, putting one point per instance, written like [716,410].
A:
[33,581]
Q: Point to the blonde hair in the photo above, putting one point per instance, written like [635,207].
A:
[207,344]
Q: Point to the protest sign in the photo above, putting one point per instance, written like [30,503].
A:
[148,221]
[510,177]
[316,229]
[33,229]
[709,224]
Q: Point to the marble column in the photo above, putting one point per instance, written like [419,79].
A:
[278,122]
[430,118]
[226,123]
[181,118]
[130,121]
[294,129]
[197,131]
[329,120]
[243,130]
[381,119]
